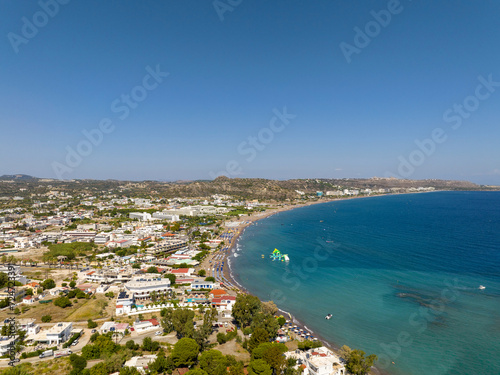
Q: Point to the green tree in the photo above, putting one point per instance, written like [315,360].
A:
[267,322]
[259,336]
[161,365]
[196,371]
[281,321]
[221,338]
[358,364]
[114,363]
[245,307]
[202,273]
[72,284]
[171,277]
[130,344]
[91,324]
[182,321]
[99,369]
[78,362]
[308,344]
[344,352]
[260,351]
[213,362]
[269,307]
[62,302]
[90,352]
[46,318]
[94,336]
[152,269]
[153,295]
[129,371]
[149,345]
[185,352]
[274,357]
[210,278]
[48,284]
[4,278]
[106,345]
[259,367]
[202,333]
[4,303]
[166,322]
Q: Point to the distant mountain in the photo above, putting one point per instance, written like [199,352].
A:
[245,188]
[19,177]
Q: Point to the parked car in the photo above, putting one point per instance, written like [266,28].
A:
[157,333]
[75,343]
[94,330]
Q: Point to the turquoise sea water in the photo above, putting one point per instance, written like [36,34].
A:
[400,274]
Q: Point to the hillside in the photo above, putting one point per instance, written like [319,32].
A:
[247,188]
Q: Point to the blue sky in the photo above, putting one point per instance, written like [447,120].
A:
[231,69]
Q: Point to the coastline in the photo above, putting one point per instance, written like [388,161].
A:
[241,289]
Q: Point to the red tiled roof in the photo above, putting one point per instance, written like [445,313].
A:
[119,306]
[180,270]
[153,321]
[218,292]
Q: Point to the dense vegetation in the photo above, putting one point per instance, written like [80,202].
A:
[69,250]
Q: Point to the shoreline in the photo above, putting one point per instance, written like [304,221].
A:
[241,289]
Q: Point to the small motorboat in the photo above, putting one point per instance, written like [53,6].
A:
[482,287]
[329,316]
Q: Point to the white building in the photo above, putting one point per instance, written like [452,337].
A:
[29,326]
[146,325]
[336,193]
[6,342]
[166,216]
[58,334]
[140,363]
[166,246]
[319,361]
[142,286]
[141,216]
[201,284]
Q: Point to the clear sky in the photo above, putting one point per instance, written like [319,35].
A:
[250,88]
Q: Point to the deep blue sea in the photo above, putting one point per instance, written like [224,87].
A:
[400,274]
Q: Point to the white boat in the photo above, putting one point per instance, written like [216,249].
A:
[482,287]
[286,258]
[329,316]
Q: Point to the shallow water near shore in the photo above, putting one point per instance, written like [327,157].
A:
[400,274]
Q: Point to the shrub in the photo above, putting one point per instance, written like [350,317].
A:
[62,302]
[46,318]
[221,338]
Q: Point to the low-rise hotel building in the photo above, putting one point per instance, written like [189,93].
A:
[142,286]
